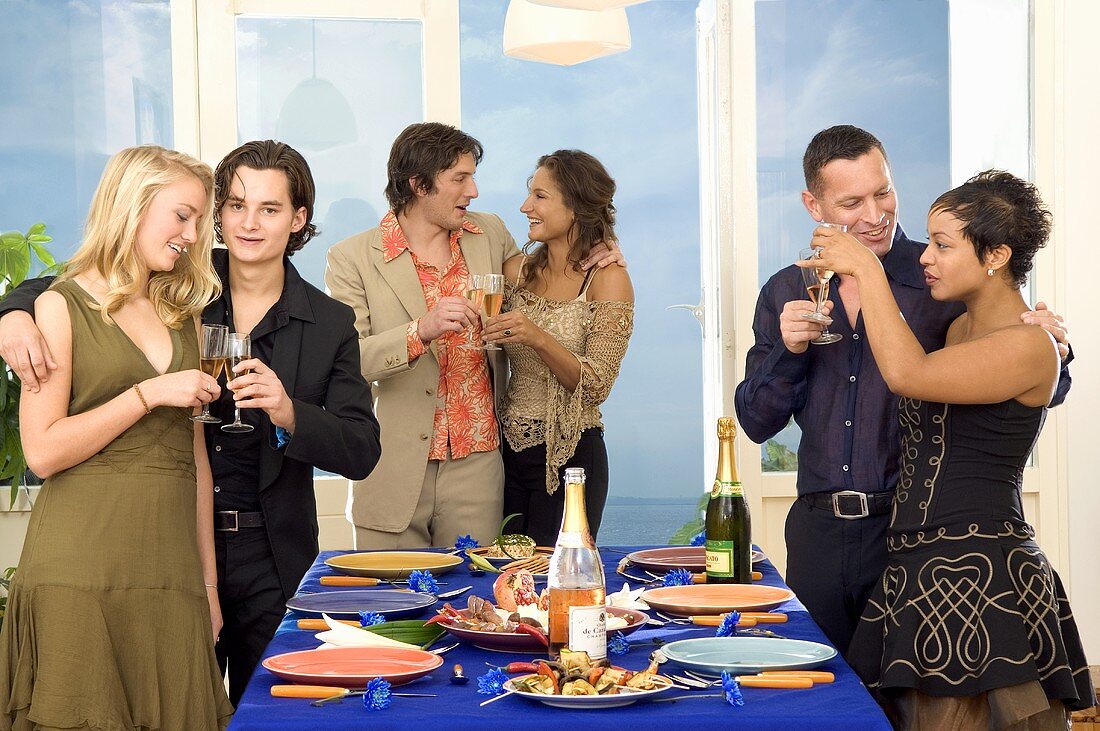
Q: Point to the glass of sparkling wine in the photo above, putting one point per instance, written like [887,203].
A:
[492,286]
[240,349]
[212,355]
[817,280]
[475,293]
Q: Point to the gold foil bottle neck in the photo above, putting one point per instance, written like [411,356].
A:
[727,428]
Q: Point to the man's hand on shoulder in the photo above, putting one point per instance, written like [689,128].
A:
[24,350]
[1041,316]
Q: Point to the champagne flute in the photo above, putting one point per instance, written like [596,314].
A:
[240,349]
[212,355]
[816,280]
[492,286]
[474,294]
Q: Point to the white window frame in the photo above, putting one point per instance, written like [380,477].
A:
[204,60]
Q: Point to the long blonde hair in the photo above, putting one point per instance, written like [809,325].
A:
[131,180]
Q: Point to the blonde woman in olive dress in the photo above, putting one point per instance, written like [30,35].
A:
[109,624]
[565,331]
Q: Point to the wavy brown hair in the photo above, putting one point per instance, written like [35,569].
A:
[131,180]
[587,189]
[420,153]
[270,155]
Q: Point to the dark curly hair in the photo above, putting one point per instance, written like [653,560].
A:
[421,152]
[587,189]
[997,208]
[842,142]
[269,155]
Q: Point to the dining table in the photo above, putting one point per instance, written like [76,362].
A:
[843,704]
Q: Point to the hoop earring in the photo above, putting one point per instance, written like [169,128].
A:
[991,272]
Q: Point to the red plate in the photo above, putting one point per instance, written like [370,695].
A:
[520,642]
[692,558]
[353,666]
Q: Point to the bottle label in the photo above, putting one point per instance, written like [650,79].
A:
[720,558]
[588,631]
[727,489]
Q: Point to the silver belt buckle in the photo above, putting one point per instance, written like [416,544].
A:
[863,511]
[237,521]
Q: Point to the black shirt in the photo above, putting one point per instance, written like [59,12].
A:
[235,458]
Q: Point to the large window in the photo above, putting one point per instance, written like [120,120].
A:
[636,112]
[81,80]
[880,66]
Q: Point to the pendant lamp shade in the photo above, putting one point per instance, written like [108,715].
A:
[588,4]
[563,37]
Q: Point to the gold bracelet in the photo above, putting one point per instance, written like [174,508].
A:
[143,401]
[211,586]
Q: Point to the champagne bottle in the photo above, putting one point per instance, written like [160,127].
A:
[728,528]
[578,614]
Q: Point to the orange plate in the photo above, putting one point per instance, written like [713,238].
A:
[353,666]
[716,598]
[392,564]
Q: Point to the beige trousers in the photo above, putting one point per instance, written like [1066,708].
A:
[458,497]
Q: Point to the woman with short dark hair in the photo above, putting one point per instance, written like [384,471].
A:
[565,332]
[970,626]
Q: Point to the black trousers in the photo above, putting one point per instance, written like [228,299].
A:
[252,602]
[833,565]
[525,487]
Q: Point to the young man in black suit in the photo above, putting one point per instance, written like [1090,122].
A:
[302,392]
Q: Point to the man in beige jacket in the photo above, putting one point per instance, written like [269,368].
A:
[440,475]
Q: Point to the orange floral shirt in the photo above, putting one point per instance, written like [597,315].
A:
[465,421]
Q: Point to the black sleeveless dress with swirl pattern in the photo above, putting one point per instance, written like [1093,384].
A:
[968,603]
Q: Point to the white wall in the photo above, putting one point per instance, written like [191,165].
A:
[1076,167]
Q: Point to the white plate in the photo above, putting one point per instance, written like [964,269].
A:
[580,702]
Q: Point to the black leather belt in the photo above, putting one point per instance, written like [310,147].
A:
[851,505]
[233,520]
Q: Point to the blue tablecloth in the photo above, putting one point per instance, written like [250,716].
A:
[843,705]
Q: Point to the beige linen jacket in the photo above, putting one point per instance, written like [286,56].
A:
[386,297]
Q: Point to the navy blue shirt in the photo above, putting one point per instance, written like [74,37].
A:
[835,392]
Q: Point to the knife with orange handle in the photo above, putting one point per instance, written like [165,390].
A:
[818,676]
[320,625]
[713,620]
[328,691]
[765,617]
[349,581]
[702,578]
[769,681]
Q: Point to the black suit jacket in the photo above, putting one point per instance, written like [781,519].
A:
[316,356]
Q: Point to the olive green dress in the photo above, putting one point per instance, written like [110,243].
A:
[108,625]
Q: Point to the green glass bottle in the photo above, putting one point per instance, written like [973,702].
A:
[728,528]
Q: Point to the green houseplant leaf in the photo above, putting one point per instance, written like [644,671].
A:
[18,251]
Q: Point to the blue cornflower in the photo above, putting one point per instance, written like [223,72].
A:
[466,542]
[369,619]
[618,645]
[728,626]
[677,577]
[377,696]
[492,682]
[732,689]
[423,582]
[699,539]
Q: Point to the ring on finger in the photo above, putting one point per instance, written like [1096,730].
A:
[507,333]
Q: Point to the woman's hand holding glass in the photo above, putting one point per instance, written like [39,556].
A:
[184,389]
[840,252]
[513,327]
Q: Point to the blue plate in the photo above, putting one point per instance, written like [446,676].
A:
[348,604]
[743,655]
